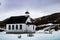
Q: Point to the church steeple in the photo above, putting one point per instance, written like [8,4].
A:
[27,13]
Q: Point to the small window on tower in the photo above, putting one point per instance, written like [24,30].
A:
[33,27]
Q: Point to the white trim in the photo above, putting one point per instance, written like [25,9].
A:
[28,20]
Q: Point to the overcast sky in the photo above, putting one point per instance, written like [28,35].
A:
[37,8]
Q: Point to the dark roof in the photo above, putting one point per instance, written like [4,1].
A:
[17,19]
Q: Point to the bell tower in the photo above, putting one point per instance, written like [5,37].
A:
[27,13]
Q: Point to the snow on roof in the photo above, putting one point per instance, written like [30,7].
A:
[49,24]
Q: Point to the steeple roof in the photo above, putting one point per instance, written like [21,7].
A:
[26,12]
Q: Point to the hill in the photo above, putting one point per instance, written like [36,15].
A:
[53,18]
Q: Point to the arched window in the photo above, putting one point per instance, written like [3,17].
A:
[16,27]
[20,26]
[9,27]
[12,27]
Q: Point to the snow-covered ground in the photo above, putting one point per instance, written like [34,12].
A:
[54,36]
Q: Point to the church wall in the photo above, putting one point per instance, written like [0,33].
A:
[19,30]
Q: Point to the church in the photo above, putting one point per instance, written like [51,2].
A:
[20,24]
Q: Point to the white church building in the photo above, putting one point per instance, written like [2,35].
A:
[20,24]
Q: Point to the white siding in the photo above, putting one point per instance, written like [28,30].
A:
[30,28]
[24,28]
